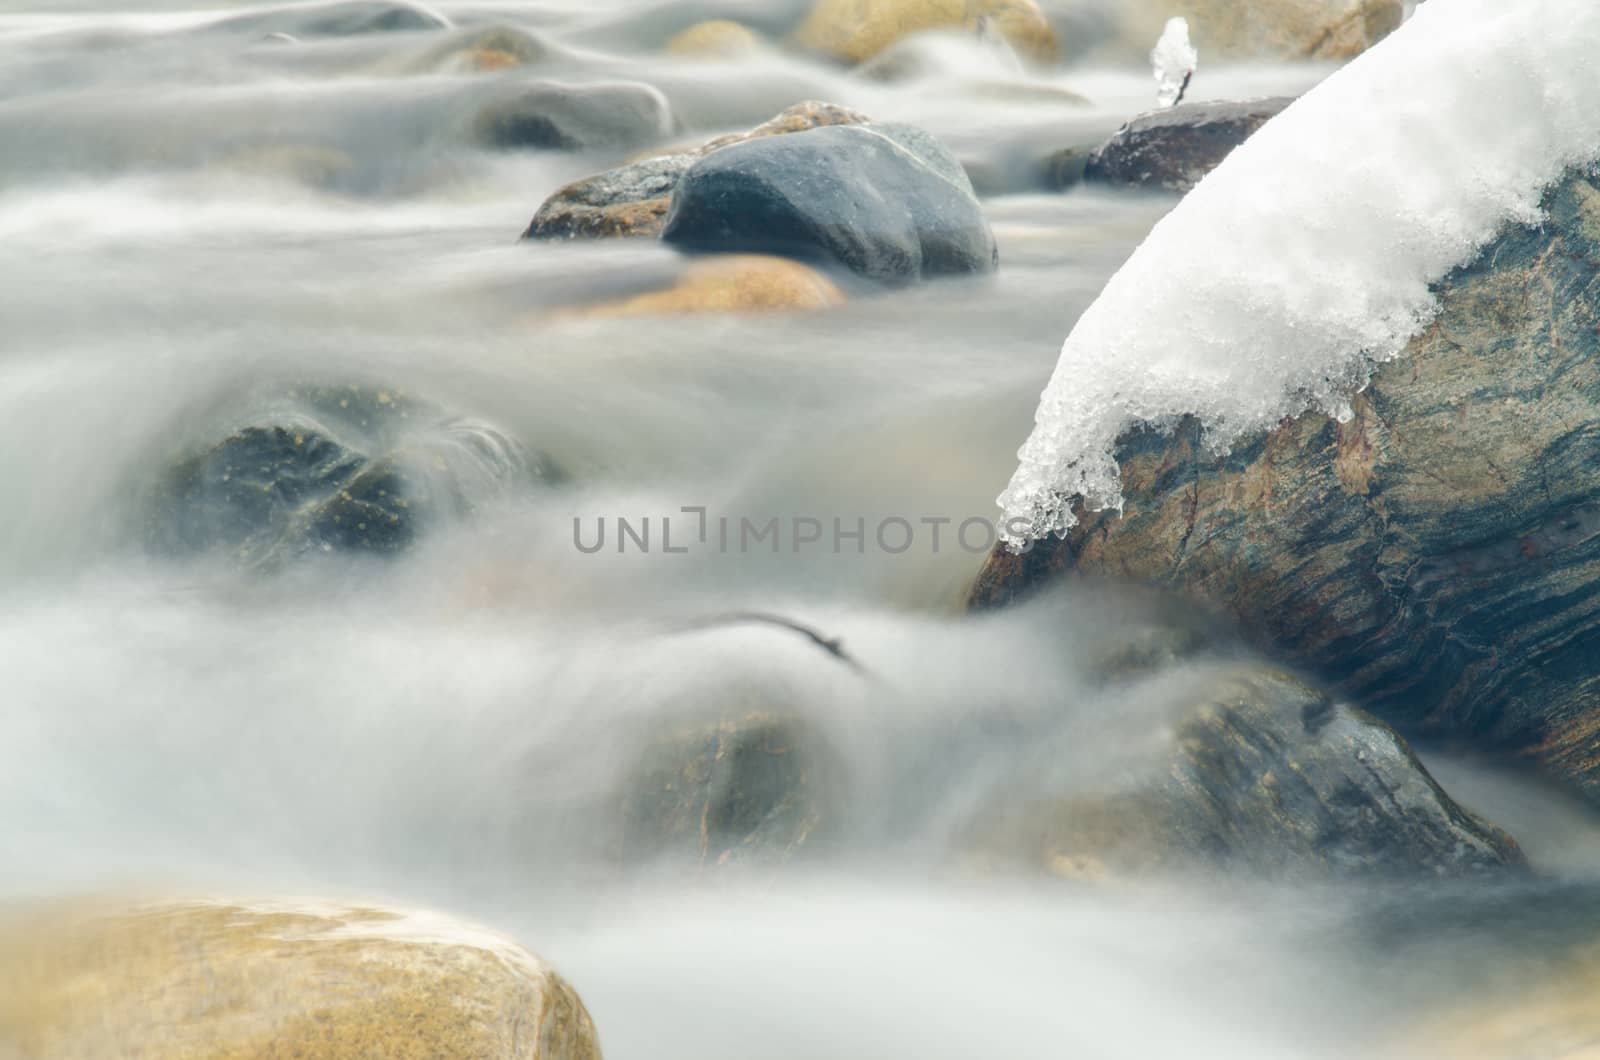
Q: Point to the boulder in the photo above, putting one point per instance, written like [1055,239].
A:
[1234,766]
[344,18]
[754,784]
[1271,29]
[177,980]
[856,30]
[1173,149]
[553,116]
[717,38]
[484,49]
[888,202]
[732,283]
[632,200]
[334,469]
[1436,558]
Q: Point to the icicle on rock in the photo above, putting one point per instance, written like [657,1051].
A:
[1174,60]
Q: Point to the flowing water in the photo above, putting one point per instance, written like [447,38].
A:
[196,215]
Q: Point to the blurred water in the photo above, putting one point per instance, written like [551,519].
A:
[192,215]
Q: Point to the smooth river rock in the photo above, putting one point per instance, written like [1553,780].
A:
[856,30]
[1270,29]
[747,785]
[1437,557]
[1234,766]
[1173,149]
[186,980]
[888,202]
[554,116]
[633,200]
[731,283]
[717,38]
[350,468]
[341,19]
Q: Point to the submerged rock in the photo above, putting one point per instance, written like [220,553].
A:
[1272,29]
[184,979]
[1437,556]
[633,200]
[856,30]
[1173,149]
[553,116]
[888,202]
[1249,768]
[484,50]
[718,37]
[732,283]
[344,18]
[753,785]
[350,469]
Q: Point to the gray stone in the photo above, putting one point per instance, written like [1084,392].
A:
[1174,149]
[553,116]
[886,201]
[1253,769]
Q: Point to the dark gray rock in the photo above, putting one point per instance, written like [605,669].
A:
[345,18]
[335,469]
[1174,149]
[886,201]
[553,116]
[1437,557]
[633,200]
[1248,768]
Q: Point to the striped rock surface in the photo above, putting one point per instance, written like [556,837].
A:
[1437,557]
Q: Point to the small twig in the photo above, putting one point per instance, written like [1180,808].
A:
[832,645]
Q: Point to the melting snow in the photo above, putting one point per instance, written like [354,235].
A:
[1307,257]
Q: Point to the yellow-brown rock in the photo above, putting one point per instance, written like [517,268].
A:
[1555,1016]
[718,38]
[1272,29]
[733,283]
[856,30]
[207,980]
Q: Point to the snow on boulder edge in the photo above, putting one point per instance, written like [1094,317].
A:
[1308,257]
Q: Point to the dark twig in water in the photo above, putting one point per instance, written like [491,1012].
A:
[1183,87]
[832,645]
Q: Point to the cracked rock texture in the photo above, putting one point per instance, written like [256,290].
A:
[1437,557]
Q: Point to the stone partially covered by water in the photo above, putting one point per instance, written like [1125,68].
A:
[1174,149]
[1251,768]
[1273,29]
[554,116]
[885,201]
[341,19]
[1437,556]
[855,31]
[751,785]
[633,200]
[181,979]
[337,469]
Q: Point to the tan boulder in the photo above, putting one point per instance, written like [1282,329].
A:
[1272,29]
[733,283]
[717,38]
[212,980]
[856,30]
